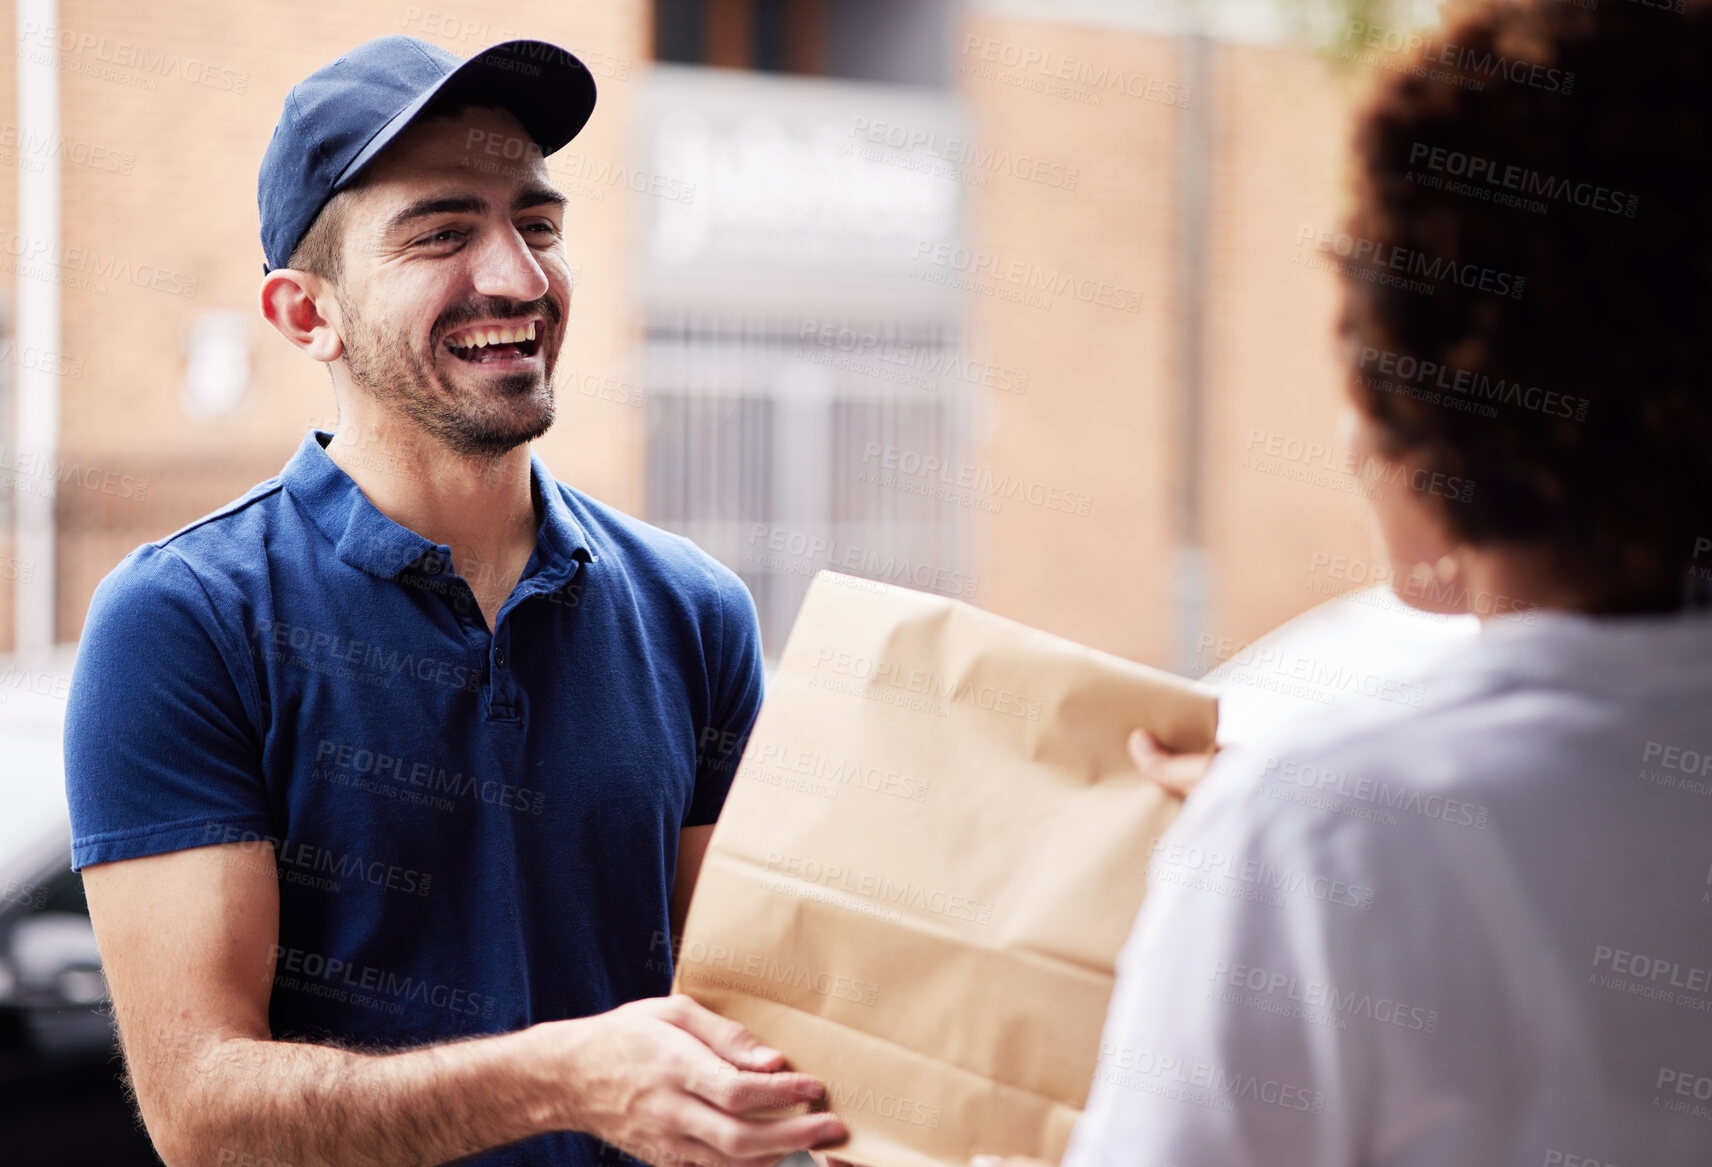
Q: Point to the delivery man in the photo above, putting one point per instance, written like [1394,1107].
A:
[390,780]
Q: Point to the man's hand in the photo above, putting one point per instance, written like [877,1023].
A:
[188,944]
[1176,773]
[671,1082]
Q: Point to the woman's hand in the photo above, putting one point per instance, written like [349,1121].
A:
[1176,773]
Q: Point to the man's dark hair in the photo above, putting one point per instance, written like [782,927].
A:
[321,250]
[1548,166]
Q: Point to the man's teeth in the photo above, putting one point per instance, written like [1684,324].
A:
[482,337]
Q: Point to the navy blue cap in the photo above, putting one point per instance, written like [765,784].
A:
[340,117]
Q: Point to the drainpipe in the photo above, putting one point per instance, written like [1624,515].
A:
[38,338]
[1191,588]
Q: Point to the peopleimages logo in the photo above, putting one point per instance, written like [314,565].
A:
[1403,372]
[1683,761]
[898,468]
[821,767]
[25,895]
[301,862]
[41,473]
[1272,983]
[1325,780]
[84,268]
[1044,71]
[245,1159]
[1435,268]
[1201,1083]
[832,342]
[95,54]
[962,153]
[1686,1083]
[1023,276]
[1430,51]
[1653,977]
[381,662]
[1269,451]
[1521,180]
[704,963]
[799,553]
[406,779]
[328,976]
[1267,879]
[844,1097]
[873,885]
[40,360]
[928,683]
[33,144]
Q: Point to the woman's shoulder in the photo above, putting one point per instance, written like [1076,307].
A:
[1512,786]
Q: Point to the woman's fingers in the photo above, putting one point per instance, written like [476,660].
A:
[1176,773]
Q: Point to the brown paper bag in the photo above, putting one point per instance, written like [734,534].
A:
[933,850]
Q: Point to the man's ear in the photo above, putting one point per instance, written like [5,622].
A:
[302,306]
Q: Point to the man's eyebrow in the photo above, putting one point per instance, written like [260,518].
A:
[537,196]
[529,196]
[436,205]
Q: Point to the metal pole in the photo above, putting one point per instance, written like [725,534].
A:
[38,343]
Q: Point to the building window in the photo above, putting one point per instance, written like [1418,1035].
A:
[809,405]
[771,452]
[903,42]
[770,36]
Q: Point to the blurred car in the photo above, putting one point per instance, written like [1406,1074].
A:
[61,1102]
[50,976]
[1363,647]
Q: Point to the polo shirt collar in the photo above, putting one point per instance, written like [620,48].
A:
[371,542]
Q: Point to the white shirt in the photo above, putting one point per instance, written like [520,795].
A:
[1476,931]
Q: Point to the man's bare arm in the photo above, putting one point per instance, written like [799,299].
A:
[188,942]
[692,848]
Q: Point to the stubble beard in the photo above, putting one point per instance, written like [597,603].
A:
[511,410]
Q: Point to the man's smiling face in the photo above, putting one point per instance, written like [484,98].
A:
[454,286]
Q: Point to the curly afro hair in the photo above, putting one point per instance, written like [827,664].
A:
[1546,167]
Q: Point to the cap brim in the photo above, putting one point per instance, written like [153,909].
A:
[545,87]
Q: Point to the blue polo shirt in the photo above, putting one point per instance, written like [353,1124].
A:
[471,832]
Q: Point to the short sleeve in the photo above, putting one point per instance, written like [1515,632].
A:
[738,679]
[1223,1042]
[160,752]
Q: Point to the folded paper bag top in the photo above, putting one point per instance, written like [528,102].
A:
[934,848]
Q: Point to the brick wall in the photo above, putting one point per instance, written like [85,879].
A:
[1100,416]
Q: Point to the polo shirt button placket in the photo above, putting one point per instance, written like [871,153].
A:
[500,703]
